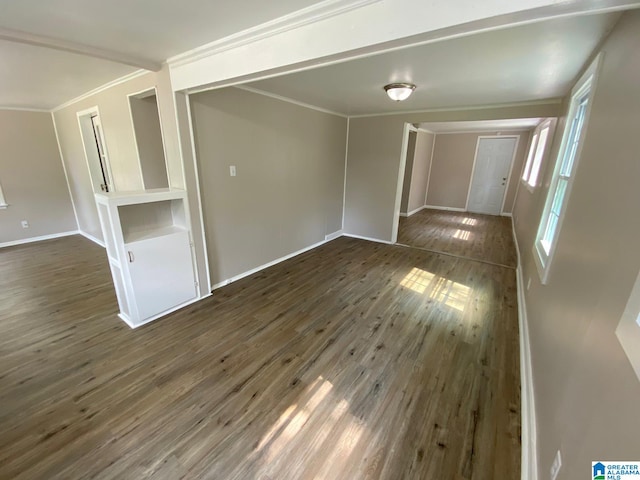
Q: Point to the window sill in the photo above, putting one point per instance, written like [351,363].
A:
[528,186]
[543,271]
[3,206]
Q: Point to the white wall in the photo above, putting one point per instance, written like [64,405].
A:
[32,178]
[586,391]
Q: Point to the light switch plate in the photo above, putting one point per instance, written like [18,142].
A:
[232,170]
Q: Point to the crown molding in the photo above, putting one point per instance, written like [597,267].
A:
[549,101]
[19,36]
[25,109]
[113,83]
[299,18]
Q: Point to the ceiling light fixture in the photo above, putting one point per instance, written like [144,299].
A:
[399,91]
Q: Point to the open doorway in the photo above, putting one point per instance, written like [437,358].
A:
[95,150]
[147,128]
[462,188]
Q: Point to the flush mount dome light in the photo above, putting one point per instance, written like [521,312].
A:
[399,91]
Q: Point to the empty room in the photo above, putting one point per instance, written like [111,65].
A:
[348,239]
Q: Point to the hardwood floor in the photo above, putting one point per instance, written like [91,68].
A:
[480,237]
[355,360]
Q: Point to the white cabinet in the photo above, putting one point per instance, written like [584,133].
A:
[147,236]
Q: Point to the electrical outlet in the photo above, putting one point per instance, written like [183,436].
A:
[555,466]
[232,170]
[529,283]
[24,224]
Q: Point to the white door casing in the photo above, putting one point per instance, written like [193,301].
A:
[95,150]
[490,176]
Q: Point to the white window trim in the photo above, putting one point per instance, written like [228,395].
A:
[3,202]
[628,331]
[587,81]
[528,166]
[529,162]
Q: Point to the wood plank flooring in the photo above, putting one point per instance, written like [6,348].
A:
[472,235]
[355,360]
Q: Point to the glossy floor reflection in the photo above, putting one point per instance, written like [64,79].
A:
[355,360]
[479,237]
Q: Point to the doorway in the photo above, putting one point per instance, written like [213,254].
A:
[491,173]
[95,150]
[147,129]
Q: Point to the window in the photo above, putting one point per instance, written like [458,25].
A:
[628,331]
[536,154]
[564,172]
[3,203]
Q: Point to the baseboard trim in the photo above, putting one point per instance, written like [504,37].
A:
[92,238]
[334,235]
[242,275]
[132,325]
[38,239]
[505,214]
[413,212]
[529,455]
[449,209]
[369,239]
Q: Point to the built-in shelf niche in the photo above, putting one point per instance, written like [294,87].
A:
[148,240]
[147,128]
[143,221]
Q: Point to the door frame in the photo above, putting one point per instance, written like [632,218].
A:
[408,127]
[80,116]
[473,169]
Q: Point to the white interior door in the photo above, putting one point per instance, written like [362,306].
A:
[490,174]
[103,161]
[95,151]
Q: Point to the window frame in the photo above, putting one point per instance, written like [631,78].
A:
[3,202]
[585,87]
[547,125]
[628,330]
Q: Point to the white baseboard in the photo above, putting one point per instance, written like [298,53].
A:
[360,237]
[529,455]
[38,239]
[128,321]
[333,236]
[449,209]
[270,264]
[92,238]
[413,212]
[505,214]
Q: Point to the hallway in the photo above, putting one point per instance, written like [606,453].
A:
[474,236]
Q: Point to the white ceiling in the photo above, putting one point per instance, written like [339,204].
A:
[41,78]
[526,63]
[482,126]
[149,30]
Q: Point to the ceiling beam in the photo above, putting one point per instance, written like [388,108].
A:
[78,48]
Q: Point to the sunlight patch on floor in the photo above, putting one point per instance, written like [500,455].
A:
[444,291]
[462,234]
[300,419]
[324,423]
[451,294]
[417,280]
